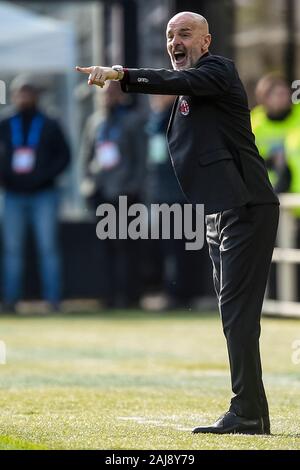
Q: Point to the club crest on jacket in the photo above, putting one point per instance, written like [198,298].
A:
[184,107]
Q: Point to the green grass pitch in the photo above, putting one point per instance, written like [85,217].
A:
[135,381]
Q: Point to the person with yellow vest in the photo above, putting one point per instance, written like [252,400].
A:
[273,120]
[289,177]
[291,180]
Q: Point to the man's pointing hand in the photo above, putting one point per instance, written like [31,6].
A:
[98,75]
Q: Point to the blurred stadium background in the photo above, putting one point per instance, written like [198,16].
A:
[46,39]
[137,363]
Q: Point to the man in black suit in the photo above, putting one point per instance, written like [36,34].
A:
[217,164]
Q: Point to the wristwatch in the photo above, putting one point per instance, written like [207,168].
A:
[120,70]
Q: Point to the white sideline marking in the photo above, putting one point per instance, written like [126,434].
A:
[154,422]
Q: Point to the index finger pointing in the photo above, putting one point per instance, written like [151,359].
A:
[84,69]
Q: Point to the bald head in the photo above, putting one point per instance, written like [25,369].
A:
[188,39]
[198,20]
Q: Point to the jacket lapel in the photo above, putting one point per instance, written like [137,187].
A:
[172,114]
[177,98]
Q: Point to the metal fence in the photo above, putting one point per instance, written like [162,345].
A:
[286,256]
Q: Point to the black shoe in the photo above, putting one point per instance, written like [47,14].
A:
[230,423]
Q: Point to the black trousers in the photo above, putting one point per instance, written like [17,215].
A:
[241,242]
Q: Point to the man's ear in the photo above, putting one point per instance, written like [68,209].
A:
[207,41]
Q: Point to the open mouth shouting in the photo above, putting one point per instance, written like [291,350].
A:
[180,58]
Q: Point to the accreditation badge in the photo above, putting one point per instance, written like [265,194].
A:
[23,160]
[107,155]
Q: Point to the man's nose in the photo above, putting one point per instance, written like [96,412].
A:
[175,41]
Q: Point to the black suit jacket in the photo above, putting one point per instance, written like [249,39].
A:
[210,140]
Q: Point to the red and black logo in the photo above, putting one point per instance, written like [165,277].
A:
[184,108]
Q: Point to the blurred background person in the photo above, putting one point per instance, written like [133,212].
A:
[276,123]
[273,120]
[113,155]
[33,153]
[166,258]
[289,182]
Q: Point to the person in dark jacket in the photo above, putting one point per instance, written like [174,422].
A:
[33,153]
[161,187]
[113,159]
[218,165]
